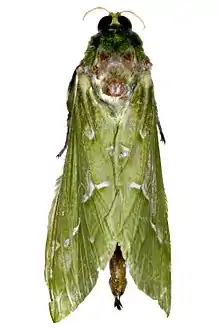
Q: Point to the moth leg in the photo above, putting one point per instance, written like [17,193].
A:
[67,136]
[162,137]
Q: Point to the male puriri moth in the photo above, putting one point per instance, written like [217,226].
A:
[110,203]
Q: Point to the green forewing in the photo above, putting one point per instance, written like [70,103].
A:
[79,241]
[145,239]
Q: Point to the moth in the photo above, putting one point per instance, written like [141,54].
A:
[110,203]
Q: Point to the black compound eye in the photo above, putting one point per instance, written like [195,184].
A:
[125,23]
[104,23]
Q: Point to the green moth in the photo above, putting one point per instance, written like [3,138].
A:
[110,203]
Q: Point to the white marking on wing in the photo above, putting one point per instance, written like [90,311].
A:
[55,247]
[124,152]
[163,293]
[101,185]
[110,150]
[142,133]
[66,243]
[135,185]
[158,232]
[89,132]
[91,188]
[75,230]
[92,239]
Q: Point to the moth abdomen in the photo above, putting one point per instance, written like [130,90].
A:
[117,280]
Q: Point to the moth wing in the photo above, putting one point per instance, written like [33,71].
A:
[145,239]
[78,241]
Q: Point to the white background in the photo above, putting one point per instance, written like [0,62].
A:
[41,43]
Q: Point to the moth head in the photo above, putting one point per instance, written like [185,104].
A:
[114,56]
[115,35]
[114,21]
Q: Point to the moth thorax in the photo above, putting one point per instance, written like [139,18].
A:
[112,79]
[112,91]
[114,87]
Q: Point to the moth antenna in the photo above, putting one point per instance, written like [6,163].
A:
[89,11]
[118,303]
[131,12]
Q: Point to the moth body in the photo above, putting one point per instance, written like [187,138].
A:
[110,203]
